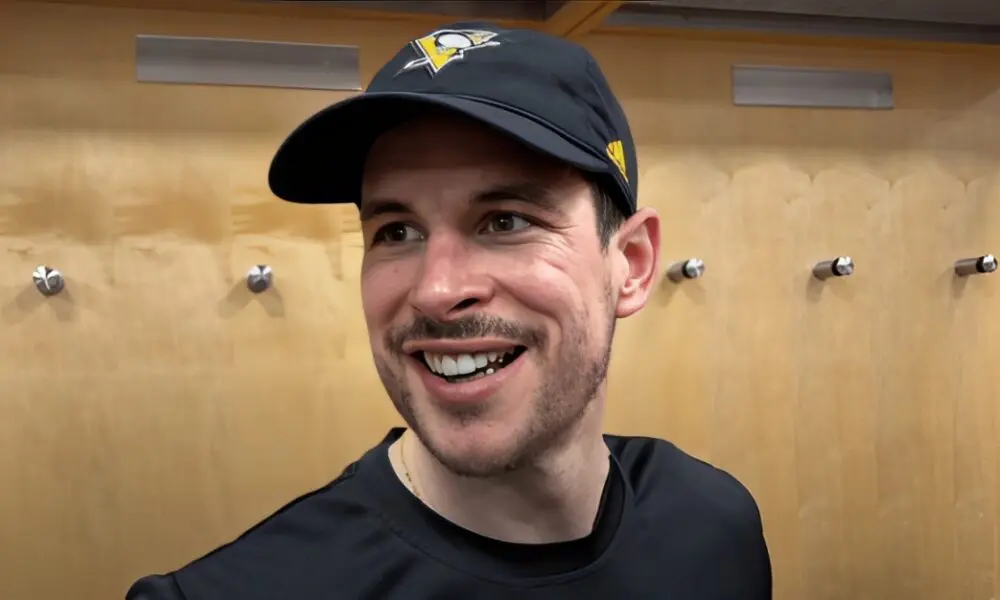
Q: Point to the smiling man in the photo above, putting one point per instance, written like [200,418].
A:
[496,179]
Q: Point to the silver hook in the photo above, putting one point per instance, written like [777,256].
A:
[48,281]
[259,278]
[692,268]
[976,266]
[842,266]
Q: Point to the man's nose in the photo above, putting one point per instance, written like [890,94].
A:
[452,281]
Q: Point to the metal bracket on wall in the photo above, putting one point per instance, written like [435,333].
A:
[259,278]
[48,281]
[842,266]
[692,268]
[976,266]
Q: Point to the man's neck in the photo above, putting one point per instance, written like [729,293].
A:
[555,500]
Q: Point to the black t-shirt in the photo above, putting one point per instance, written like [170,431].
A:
[670,527]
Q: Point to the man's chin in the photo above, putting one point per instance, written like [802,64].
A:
[477,463]
[471,448]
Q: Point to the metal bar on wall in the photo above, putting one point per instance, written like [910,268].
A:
[814,88]
[218,61]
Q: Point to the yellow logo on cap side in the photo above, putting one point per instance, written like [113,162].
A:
[616,152]
[444,46]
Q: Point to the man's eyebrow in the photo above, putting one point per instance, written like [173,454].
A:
[374,207]
[530,192]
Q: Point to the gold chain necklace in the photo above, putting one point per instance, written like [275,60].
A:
[406,469]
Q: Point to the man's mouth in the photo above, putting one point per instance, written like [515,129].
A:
[457,368]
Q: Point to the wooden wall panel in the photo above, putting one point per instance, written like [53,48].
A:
[860,411]
[157,409]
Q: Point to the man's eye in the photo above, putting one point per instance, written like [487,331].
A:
[396,233]
[507,222]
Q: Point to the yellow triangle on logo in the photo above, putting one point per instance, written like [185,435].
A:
[617,154]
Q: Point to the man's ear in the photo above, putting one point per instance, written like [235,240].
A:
[638,245]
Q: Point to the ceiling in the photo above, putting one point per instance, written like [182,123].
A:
[968,12]
[953,21]
[968,21]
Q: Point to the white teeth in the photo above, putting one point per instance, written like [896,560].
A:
[452,365]
[466,364]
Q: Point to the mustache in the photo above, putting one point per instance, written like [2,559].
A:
[471,327]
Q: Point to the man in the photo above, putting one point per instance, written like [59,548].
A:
[496,180]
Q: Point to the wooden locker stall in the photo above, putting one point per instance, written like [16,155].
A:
[861,410]
[156,408]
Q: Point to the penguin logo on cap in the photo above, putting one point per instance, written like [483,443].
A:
[440,48]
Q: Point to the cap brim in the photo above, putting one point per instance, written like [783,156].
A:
[321,162]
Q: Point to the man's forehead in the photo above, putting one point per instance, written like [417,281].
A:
[445,140]
[446,162]
[436,126]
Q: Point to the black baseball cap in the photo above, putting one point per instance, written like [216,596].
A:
[543,90]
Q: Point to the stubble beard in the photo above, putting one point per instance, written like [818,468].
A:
[569,386]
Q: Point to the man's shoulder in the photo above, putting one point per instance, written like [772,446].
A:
[663,475]
[700,514]
[298,536]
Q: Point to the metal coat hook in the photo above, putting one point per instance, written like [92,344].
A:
[49,281]
[259,278]
[842,266]
[692,268]
[976,266]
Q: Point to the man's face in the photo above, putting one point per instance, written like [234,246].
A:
[489,301]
